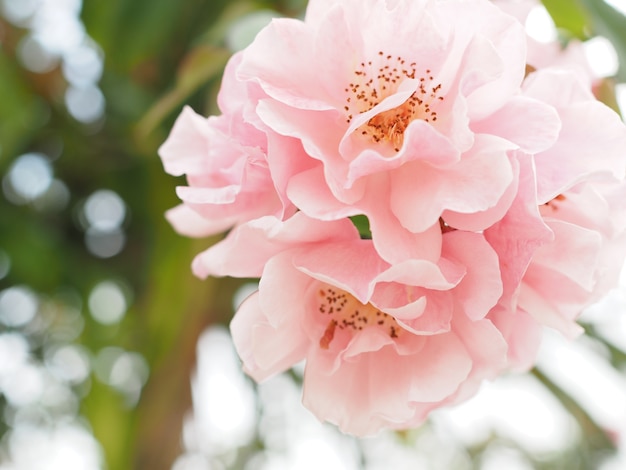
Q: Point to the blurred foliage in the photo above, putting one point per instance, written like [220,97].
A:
[569,16]
[583,19]
[158,56]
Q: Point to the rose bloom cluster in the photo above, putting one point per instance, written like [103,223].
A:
[417,205]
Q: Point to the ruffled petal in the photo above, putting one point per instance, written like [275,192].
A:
[265,348]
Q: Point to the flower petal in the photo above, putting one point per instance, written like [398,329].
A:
[420,193]
[246,249]
[527,122]
[188,222]
[255,339]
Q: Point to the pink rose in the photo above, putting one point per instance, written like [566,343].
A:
[226,163]
[585,258]
[495,202]
[407,123]
[516,238]
[376,337]
[574,255]
[592,138]
[562,243]
[580,191]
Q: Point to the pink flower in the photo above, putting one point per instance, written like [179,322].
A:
[226,163]
[409,110]
[376,337]
[585,258]
[495,202]
[568,254]
[580,190]
[563,241]
[516,238]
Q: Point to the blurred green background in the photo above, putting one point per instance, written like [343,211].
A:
[97,300]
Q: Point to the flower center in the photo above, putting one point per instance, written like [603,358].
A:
[376,81]
[346,313]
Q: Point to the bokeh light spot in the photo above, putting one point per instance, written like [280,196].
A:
[67,446]
[105,210]
[35,56]
[58,27]
[104,361]
[107,303]
[18,306]
[125,371]
[83,65]
[19,11]
[195,461]
[69,363]
[601,56]
[104,244]
[85,104]
[25,386]
[128,374]
[224,402]
[14,352]
[28,178]
[619,5]
[540,26]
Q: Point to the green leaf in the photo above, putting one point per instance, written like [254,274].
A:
[569,16]
[610,23]
[362,223]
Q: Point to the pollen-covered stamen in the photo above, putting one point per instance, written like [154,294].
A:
[376,81]
[554,203]
[345,312]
